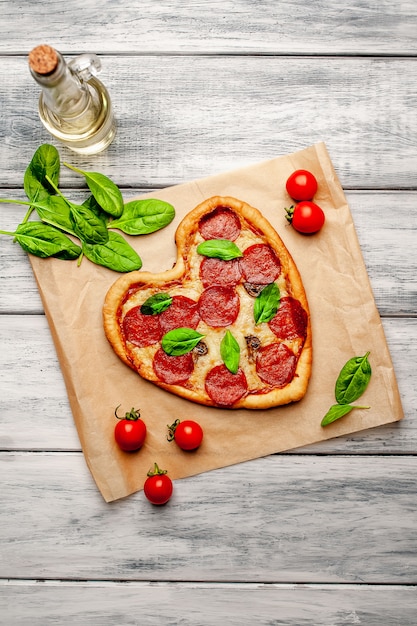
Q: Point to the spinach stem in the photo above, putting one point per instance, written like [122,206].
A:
[29,204]
[72,167]
[55,188]
[7,201]
[28,214]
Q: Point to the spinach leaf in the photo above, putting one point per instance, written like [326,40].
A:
[87,226]
[266,303]
[115,254]
[180,341]
[55,211]
[44,241]
[92,204]
[104,190]
[141,217]
[353,379]
[337,411]
[156,304]
[45,162]
[230,352]
[220,249]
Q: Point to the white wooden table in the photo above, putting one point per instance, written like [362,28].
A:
[324,535]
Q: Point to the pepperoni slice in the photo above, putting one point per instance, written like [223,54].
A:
[219,306]
[276,364]
[141,330]
[173,370]
[218,272]
[225,388]
[260,265]
[290,322]
[183,312]
[222,223]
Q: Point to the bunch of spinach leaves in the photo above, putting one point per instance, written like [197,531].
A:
[93,222]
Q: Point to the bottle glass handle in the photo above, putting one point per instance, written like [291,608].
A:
[85,66]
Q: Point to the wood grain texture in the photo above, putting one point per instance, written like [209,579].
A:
[360,526]
[182,118]
[188,604]
[231,26]
[36,414]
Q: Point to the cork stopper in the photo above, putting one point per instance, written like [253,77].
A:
[43,60]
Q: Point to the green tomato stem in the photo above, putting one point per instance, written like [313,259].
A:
[172,429]
[156,471]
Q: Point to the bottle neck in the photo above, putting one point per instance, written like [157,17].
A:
[63,93]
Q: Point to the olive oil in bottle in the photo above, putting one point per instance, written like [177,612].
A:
[74,106]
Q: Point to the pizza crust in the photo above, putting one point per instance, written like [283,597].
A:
[118,298]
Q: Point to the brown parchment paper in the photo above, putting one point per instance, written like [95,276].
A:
[345,323]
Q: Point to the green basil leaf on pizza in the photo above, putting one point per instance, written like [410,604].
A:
[230,352]
[156,304]
[219,249]
[180,341]
[266,304]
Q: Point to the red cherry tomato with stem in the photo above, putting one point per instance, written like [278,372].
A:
[188,434]
[130,431]
[158,486]
[306,217]
[301,185]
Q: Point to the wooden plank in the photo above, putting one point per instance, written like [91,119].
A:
[186,604]
[386,235]
[192,130]
[387,238]
[279,519]
[33,397]
[36,414]
[232,26]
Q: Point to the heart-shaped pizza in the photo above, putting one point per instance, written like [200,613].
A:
[229,325]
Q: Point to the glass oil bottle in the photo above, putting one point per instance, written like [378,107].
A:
[74,106]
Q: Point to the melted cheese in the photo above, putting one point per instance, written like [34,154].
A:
[243,326]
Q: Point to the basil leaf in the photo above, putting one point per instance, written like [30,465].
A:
[87,226]
[141,217]
[45,162]
[353,379]
[44,241]
[230,352]
[180,341]
[220,249]
[266,303]
[55,211]
[104,190]
[156,304]
[116,254]
[337,411]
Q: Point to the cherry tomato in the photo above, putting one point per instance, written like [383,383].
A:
[158,486]
[301,185]
[187,434]
[130,431]
[306,217]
